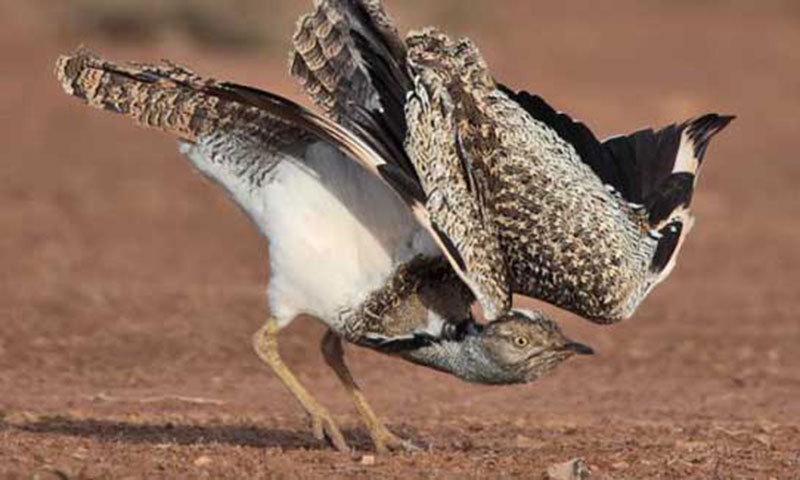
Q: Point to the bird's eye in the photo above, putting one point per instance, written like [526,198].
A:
[521,342]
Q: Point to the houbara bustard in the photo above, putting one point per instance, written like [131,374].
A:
[426,186]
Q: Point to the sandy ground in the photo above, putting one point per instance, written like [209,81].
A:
[130,286]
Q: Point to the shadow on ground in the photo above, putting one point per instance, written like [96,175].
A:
[242,435]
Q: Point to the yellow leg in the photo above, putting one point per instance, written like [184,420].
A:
[265,342]
[334,356]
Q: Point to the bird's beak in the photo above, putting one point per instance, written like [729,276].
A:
[578,348]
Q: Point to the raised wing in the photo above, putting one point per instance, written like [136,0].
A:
[176,100]
[587,226]
[653,170]
[455,189]
[349,57]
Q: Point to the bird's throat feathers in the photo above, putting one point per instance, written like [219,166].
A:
[466,358]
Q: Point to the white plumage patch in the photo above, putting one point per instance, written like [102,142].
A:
[335,231]
[686,160]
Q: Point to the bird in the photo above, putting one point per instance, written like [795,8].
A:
[344,248]
[423,187]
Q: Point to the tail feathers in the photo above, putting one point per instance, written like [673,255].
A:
[166,97]
[179,102]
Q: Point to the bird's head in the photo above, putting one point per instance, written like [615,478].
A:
[523,346]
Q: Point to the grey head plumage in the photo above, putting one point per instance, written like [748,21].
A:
[519,347]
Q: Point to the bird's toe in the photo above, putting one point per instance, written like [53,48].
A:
[324,428]
[385,441]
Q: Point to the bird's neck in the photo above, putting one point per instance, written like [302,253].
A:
[420,296]
[411,316]
[467,359]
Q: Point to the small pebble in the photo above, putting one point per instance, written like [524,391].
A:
[763,440]
[620,465]
[202,461]
[368,460]
[574,469]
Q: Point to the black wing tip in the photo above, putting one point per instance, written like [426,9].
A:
[702,129]
[709,124]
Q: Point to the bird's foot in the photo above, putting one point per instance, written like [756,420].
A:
[324,428]
[386,441]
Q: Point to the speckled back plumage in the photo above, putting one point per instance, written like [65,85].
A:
[565,237]
[419,290]
[521,198]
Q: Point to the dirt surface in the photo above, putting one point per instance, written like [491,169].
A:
[130,286]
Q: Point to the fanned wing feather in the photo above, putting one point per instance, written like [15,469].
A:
[472,170]
[453,202]
[349,57]
[177,101]
[652,169]
[469,161]
[458,194]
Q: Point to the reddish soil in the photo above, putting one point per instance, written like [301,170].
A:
[129,286]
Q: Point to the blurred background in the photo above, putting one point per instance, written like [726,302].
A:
[125,276]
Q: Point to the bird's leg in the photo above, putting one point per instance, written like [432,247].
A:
[334,356]
[265,342]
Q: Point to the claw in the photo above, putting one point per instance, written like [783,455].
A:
[386,441]
[324,428]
